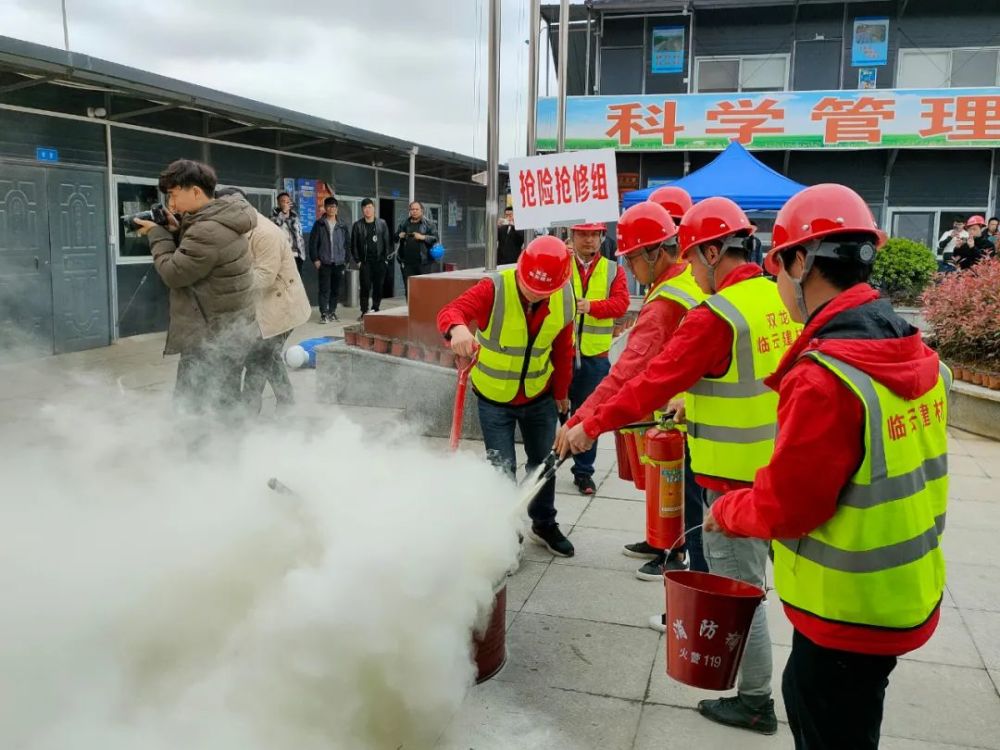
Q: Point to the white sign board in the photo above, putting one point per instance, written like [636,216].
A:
[575,187]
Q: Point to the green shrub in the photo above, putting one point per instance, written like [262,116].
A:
[903,268]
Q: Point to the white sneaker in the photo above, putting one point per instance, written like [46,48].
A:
[658,623]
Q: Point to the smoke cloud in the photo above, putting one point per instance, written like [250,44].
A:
[157,594]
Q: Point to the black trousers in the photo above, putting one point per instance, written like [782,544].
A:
[834,698]
[330,276]
[372,280]
[265,365]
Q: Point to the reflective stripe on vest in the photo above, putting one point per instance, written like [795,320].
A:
[732,419]
[595,334]
[682,289]
[878,561]
[504,356]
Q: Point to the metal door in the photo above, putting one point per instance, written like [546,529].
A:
[79,240]
[25,281]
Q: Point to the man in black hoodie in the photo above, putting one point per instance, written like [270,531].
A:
[329,245]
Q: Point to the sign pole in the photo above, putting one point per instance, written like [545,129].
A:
[563,75]
[493,138]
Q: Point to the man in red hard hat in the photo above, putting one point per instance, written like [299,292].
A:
[647,242]
[601,297]
[674,200]
[857,556]
[719,357]
[524,363]
[975,247]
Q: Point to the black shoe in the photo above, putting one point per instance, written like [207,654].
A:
[374,309]
[653,570]
[333,317]
[642,550]
[552,539]
[736,711]
[585,484]
[362,315]
[322,320]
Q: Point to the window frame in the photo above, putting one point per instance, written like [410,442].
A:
[469,221]
[937,211]
[116,180]
[950,51]
[696,88]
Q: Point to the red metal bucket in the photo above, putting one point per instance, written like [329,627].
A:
[634,446]
[621,451]
[708,620]
[490,646]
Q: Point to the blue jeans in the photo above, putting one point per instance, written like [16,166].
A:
[537,421]
[586,378]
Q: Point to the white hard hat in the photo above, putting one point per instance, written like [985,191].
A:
[296,357]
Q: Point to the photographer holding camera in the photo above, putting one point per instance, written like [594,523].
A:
[202,254]
[416,235]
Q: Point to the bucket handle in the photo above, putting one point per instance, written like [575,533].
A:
[695,528]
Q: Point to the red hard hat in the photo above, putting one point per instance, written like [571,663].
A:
[816,212]
[976,220]
[544,266]
[712,219]
[593,227]
[676,200]
[642,225]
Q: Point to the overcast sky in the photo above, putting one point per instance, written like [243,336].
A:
[415,70]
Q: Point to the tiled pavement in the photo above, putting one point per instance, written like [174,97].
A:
[583,670]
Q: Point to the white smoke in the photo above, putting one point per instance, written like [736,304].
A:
[157,594]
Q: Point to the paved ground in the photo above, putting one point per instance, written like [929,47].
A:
[583,671]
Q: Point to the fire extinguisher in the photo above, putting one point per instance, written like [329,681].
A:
[664,486]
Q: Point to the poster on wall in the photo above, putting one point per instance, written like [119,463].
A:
[870,44]
[867,78]
[305,201]
[452,213]
[667,49]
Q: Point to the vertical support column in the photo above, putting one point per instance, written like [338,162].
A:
[113,228]
[493,137]
[413,173]
[563,74]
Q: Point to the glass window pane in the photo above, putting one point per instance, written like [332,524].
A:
[763,74]
[133,199]
[974,67]
[916,226]
[477,226]
[918,70]
[718,75]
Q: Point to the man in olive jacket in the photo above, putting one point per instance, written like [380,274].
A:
[206,263]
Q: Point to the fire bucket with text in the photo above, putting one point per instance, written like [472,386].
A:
[708,619]
[621,453]
[489,645]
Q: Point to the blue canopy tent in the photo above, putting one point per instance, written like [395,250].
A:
[734,174]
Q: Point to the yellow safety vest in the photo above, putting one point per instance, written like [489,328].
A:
[507,354]
[732,419]
[684,290]
[878,561]
[595,334]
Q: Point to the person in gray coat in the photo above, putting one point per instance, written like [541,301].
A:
[204,259]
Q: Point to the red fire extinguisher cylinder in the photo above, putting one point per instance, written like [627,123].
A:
[664,488]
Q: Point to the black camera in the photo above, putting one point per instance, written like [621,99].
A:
[157,213]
